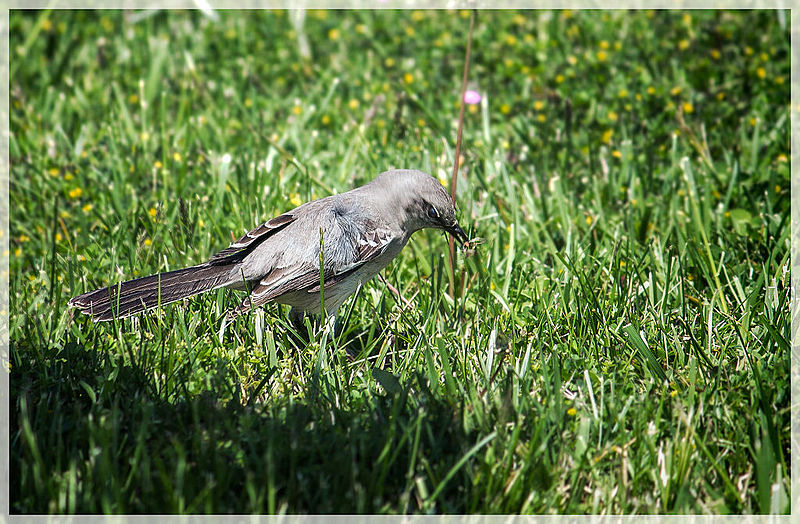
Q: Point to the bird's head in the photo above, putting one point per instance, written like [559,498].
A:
[424,201]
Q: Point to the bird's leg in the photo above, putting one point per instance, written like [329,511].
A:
[297,318]
[323,329]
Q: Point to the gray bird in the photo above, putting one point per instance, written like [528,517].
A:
[358,233]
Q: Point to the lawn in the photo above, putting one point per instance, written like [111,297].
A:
[617,341]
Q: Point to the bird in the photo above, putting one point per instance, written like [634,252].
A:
[352,235]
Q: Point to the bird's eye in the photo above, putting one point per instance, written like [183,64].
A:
[432,212]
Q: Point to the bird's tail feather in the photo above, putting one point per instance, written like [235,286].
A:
[127,298]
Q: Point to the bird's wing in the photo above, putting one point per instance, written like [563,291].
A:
[369,246]
[358,244]
[247,242]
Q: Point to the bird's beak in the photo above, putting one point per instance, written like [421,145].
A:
[457,233]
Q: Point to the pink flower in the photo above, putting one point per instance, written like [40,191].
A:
[472,97]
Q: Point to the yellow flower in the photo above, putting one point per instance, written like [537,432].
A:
[294,199]
[559,79]
[538,105]
[334,34]
[651,90]
[47,25]
[58,237]
[144,136]
[779,80]
[687,18]
[616,154]
[761,72]
[607,134]
[68,177]
[720,95]
[18,252]
[748,50]
[409,30]
[612,116]
[782,158]
[353,103]
[603,44]
[408,78]
[688,107]
[361,29]
[715,54]
[541,118]
[505,109]
[75,193]
[87,207]
[389,62]
[421,122]
[511,40]
[601,56]
[675,91]
[326,120]
[518,19]
[24,238]
[572,60]
[297,109]
[683,44]
[152,212]
[472,108]
[622,263]
[623,93]
[638,97]
[147,242]
[417,16]
[588,220]
[464,13]
[54,171]
[572,412]
[176,156]
[764,57]
[673,393]
[248,102]
[157,164]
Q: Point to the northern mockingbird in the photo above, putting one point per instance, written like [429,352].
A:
[356,233]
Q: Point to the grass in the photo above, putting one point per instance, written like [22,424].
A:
[617,344]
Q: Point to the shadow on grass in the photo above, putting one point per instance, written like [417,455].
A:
[88,436]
